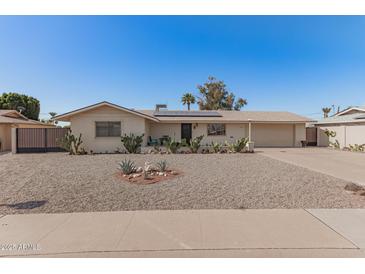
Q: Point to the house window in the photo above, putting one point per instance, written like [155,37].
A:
[107,129]
[216,129]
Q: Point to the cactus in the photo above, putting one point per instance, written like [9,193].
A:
[216,147]
[237,146]
[132,143]
[71,143]
[195,143]
[171,145]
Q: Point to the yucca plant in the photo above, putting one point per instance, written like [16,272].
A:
[162,166]
[216,147]
[132,143]
[195,143]
[127,166]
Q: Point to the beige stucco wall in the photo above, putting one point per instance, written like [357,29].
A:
[5,137]
[345,134]
[233,132]
[300,134]
[157,130]
[270,135]
[85,123]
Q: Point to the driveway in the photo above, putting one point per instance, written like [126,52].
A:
[349,166]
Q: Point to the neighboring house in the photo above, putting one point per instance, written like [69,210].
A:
[349,126]
[102,124]
[13,119]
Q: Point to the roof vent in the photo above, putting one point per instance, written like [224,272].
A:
[159,106]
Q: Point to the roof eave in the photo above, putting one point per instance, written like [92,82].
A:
[66,116]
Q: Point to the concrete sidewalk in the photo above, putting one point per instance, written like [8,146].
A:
[349,166]
[186,233]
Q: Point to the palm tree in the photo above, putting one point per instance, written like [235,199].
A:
[326,111]
[53,114]
[188,99]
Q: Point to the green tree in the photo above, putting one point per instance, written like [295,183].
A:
[214,95]
[326,111]
[188,99]
[29,105]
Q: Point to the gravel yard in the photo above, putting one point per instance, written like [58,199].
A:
[57,182]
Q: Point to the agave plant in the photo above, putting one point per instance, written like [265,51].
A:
[195,143]
[162,166]
[127,167]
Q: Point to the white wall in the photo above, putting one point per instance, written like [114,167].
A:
[85,123]
[345,134]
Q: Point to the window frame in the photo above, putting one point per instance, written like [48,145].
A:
[213,135]
[108,129]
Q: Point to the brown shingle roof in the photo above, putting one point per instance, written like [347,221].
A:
[5,118]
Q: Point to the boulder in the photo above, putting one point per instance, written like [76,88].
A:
[354,187]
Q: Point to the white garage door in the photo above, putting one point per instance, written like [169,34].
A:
[273,135]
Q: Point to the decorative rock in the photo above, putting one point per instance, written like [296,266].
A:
[173,172]
[150,167]
[137,175]
[139,169]
[160,174]
[165,175]
[354,187]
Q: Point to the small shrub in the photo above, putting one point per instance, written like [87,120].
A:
[216,147]
[335,144]
[162,166]
[357,148]
[132,143]
[127,166]
[195,143]
[171,145]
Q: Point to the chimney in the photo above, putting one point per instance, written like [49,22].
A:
[159,106]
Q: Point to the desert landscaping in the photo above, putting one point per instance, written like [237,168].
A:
[58,182]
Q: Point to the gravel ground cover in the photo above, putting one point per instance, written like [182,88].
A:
[57,182]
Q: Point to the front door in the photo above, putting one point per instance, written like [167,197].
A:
[186,132]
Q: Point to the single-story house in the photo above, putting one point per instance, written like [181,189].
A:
[348,125]
[13,119]
[102,124]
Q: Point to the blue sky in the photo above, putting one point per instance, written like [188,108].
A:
[292,63]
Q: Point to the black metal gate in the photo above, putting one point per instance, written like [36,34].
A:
[31,140]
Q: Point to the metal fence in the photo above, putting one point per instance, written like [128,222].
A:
[311,136]
[30,140]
